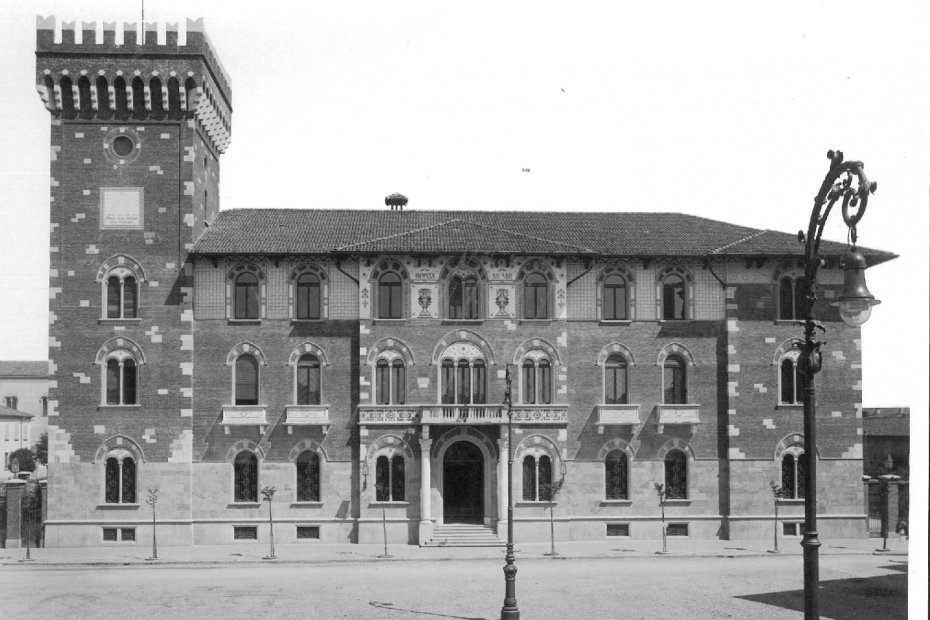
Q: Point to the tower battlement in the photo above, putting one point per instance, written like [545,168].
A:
[83,72]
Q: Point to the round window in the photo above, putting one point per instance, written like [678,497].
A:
[123,146]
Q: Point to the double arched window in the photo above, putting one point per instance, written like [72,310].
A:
[537,478]
[246,380]
[615,380]
[791,382]
[121,277]
[390,382]
[676,475]
[792,298]
[245,477]
[120,478]
[537,380]
[463,298]
[464,382]
[617,475]
[121,378]
[390,479]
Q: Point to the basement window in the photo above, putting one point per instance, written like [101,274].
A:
[618,529]
[308,532]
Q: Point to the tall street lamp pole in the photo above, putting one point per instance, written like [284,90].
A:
[510,611]
[845,183]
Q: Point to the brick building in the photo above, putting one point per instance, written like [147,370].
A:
[357,360]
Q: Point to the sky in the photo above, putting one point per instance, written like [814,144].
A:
[724,110]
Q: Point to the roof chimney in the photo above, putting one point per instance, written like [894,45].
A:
[396,201]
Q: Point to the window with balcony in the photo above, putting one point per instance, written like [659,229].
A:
[537,381]
[615,380]
[674,381]
[246,380]
[390,382]
[308,380]
[464,382]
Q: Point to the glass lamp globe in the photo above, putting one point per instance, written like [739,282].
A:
[855,302]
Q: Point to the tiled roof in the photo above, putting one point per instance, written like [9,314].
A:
[6,412]
[324,231]
[23,368]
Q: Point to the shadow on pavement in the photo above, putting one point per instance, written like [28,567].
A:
[849,599]
[391,607]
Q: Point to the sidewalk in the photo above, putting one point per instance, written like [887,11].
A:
[322,553]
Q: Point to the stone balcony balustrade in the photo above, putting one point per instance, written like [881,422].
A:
[619,415]
[244,415]
[307,415]
[461,414]
[687,414]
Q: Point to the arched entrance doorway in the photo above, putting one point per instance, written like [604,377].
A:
[463,484]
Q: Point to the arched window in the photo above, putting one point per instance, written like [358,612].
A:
[463,298]
[158,102]
[615,380]
[120,479]
[122,297]
[67,95]
[791,382]
[615,299]
[308,477]
[537,381]
[308,297]
[536,297]
[121,95]
[87,109]
[246,380]
[245,477]
[616,475]
[308,380]
[792,298]
[390,479]
[676,475]
[463,382]
[537,478]
[247,297]
[391,382]
[389,296]
[674,381]
[103,95]
[674,298]
[138,97]
[793,472]
[121,386]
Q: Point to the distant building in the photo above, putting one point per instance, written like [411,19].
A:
[357,360]
[23,390]
[886,435]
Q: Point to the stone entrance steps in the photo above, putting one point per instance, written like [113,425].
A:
[463,535]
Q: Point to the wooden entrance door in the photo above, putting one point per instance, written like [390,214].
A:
[463,484]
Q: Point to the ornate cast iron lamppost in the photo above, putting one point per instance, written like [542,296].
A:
[846,182]
[509,611]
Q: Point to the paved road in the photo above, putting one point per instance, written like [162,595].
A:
[763,588]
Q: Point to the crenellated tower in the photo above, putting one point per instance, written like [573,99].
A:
[138,124]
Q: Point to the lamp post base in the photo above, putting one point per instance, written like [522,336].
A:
[551,554]
[773,551]
[384,555]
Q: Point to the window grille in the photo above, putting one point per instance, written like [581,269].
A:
[245,477]
[677,529]
[308,477]
[791,529]
[245,533]
[616,472]
[127,533]
[618,529]
[109,534]
[308,532]
[676,475]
